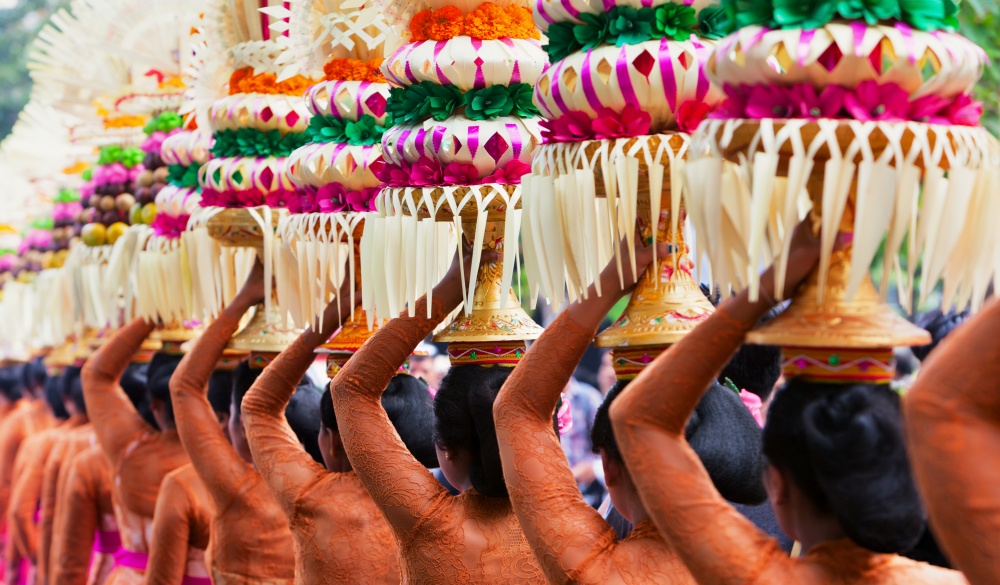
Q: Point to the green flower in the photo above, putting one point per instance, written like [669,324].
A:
[594,30]
[631,26]
[930,15]
[714,22]
[183,176]
[109,155]
[674,21]
[409,104]
[745,13]
[132,156]
[364,132]
[521,94]
[326,129]
[488,103]
[66,196]
[562,41]
[443,100]
[807,14]
[87,174]
[871,11]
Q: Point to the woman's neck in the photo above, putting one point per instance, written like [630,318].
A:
[817,530]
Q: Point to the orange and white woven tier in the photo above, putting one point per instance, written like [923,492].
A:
[322,163]
[467,63]
[264,112]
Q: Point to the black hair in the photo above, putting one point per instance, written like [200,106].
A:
[161,369]
[134,382]
[220,390]
[721,431]
[939,325]
[243,378]
[755,368]
[843,446]
[302,414]
[54,397]
[36,372]
[410,409]
[72,388]
[10,383]
[463,412]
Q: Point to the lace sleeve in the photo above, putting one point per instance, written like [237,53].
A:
[953,425]
[287,469]
[564,531]
[716,542]
[12,434]
[77,519]
[21,528]
[115,419]
[171,533]
[219,466]
[402,488]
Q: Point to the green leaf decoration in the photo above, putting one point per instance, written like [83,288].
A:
[870,11]
[415,103]
[675,21]
[109,155]
[364,132]
[183,176]
[562,41]
[132,156]
[631,26]
[930,15]
[714,22]
[256,143]
[594,31]
[66,196]
[488,103]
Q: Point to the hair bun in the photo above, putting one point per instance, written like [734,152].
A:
[855,441]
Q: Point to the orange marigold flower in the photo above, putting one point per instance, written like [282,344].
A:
[418,26]
[488,22]
[522,25]
[445,23]
[375,71]
[237,78]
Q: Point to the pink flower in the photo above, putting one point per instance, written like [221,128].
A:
[929,109]
[735,105]
[456,173]
[753,404]
[279,198]
[169,226]
[963,111]
[114,173]
[249,198]
[363,200]
[330,198]
[390,174]
[154,142]
[871,101]
[690,114]
[770,101]
[826,104]
[631,121]
[564,416]
[426,172]
[570,127]
[509,174]
[304,202]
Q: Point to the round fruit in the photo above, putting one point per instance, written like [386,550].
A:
[110,217]
[94,234]
[124,202]
[148,213]
[160,175]
[144,179]
[154,190]
[115,231]
[135,214]
[107,203]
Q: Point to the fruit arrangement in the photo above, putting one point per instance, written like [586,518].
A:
[66,211]
[110,205]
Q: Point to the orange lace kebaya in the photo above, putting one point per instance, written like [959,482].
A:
[56,470]
[340,534]
[139,456]
[85,515]
[181,530]
[714,540]
[250,541]
[953,427]
[571,539]
[29,417]
[469,538]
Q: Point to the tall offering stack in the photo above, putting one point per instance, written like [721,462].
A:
[255,127]
[335,170]
[463,136]
[626,86]
[857,114]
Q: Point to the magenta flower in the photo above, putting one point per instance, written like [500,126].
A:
[631,121]
[249,198]
[426,172]
[169,226]
[690,114]
[509,174]
[871,101]
[928,109]
[963,111]
[330,198]
[114,173]
[826,104]
[770,101]
[735,105]
[279,198]
[572,126]
[390,174]
[456,173]
[154,142]
[363,200]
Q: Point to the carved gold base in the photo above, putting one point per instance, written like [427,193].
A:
[666,305]
[263,334]
[236,227]
[61,356]
[862,322]
[346,341]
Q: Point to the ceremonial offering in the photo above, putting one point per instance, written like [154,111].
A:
[862,120]
[464,131]
[626,86]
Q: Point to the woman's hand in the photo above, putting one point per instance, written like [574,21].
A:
[252,292]
[449,290]
[803,256]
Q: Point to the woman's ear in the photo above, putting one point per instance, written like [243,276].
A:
[776,482]
[614,471]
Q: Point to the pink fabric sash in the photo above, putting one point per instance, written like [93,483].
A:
[107,542]
[131,560]
[188,580]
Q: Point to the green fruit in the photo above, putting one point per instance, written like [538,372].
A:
[135,214]
[148,213]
